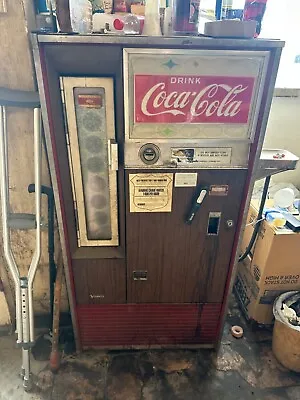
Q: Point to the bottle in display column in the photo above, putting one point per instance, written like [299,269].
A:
[186,16]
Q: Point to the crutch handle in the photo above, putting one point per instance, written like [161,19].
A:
[19,98]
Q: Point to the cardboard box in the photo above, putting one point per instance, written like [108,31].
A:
[273,268]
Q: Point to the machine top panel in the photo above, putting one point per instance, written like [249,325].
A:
[144,41]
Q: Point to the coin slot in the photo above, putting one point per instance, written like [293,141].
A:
[213,223]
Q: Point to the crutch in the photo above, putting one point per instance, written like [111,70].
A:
[23,284]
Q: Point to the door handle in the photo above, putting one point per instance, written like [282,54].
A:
[196,204]
[113,155]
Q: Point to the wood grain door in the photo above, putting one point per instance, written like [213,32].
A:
[182,263]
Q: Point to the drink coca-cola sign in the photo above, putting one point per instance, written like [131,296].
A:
[192,99]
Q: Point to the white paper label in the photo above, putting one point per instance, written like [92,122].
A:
[150,192]
[216,155]
[185,179]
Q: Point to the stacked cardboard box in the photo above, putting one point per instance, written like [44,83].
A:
[272,268]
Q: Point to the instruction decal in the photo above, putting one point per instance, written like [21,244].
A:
[215,155]
[150,192]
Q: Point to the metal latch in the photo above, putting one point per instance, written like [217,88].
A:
[113,155]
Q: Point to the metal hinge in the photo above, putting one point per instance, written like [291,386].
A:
[67,136]
[63,100]
[61,82]
[76,220]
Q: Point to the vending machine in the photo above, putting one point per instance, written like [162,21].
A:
[153,144]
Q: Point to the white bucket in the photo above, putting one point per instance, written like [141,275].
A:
[286,337]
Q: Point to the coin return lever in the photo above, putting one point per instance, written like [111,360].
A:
[196,204]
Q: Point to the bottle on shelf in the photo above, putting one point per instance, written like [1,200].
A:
[152,18]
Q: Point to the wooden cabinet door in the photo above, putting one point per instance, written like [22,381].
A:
[169,261]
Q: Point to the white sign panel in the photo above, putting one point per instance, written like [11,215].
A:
[185,179]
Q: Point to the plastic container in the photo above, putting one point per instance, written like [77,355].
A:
[275,218]
[81,16]
[286,337]
[284,198]
[131,25]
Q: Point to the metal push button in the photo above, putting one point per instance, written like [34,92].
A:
[149,153]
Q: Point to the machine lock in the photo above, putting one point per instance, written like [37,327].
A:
[196,204]
[149,153]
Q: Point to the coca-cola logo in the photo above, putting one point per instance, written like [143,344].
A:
[192,99]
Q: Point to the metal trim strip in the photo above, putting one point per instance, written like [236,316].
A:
[160,41]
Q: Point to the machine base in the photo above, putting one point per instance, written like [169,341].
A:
[149,325]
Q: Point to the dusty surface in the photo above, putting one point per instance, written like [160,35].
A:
[245,369]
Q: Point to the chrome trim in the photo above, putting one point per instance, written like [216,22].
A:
[239,154]
[160,41]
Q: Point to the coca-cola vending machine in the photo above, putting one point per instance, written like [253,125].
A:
[152,145]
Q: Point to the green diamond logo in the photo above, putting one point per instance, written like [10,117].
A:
[167,131]
[170,64]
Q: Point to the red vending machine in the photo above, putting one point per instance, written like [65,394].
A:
[153,144]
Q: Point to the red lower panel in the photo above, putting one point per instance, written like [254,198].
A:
[148,324]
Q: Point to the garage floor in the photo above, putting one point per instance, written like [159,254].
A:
[245,369]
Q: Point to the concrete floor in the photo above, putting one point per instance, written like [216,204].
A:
[245,369]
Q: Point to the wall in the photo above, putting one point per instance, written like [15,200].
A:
[283,131]
[17,73]
[283,23]
[4,312]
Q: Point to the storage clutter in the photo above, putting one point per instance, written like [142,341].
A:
[272,268]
